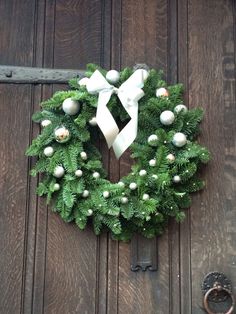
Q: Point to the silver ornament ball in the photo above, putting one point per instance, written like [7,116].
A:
[106,194]
[83,81]
[167,117]
[45,123]
[78,173]
[70,106]
[162,92]
[59,172]
[142,173]
[48,151]
[170,158]
[146,196]
[152,162]
[124,200]
[152,140]
[176,179]
[85,193]
[180,107]
[56,187]
[121,184]
[83,155]
[133,186]
[113,76]
[93,121]
[179,139]
[62,134]
[89,212]
[96,175]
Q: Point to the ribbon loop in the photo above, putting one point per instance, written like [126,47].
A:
[129,93]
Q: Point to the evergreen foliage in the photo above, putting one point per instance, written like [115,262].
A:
[167,198]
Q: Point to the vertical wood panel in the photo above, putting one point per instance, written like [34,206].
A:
[16,47]
[143,40]
[212,85]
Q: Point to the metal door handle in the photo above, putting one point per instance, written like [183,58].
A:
[217,289]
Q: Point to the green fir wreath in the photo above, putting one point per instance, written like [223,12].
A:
[167,158]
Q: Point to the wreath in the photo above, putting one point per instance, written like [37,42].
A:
[159,130]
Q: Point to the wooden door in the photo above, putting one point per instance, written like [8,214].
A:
[48,266]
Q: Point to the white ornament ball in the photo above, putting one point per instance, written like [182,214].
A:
[90,212]
[106,194]
[93,121]
[59,172]
[113,76]
[162,92]
[48,151]
[170,158]
[70,106]
[121,184]
[56,187]
[176,179]
[152,140]
[83,155]
[167,117]
[180,107]
[146,197]
[179,139]
[142,173]
[154,176]
[96,175]
[83,81]
[85,193]
[124,200]
[45,123]
[152,162]
[133,186]
[78,173]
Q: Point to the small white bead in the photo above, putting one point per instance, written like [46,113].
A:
[96,175]
[170,157]
[106,194]
[152,162]
[113,76]
[56,187]
[180,107]
[162,92]
[124,200]
[93,121]
[78,173]
[85,193]
[45,123]
[121,184]
[176,179]
[146,197]
[142,172]
[83,155]
[59,172]
[167,117]
[90,212]
[152,140]
[48,151]
[133,186]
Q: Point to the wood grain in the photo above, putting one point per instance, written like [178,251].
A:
[212,85]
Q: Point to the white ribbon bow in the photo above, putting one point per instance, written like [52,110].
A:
[129,94]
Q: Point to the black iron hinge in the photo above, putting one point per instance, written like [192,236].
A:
[31,75]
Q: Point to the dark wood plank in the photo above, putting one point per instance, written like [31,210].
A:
[14,138]
[144,40]
[212,84]
[72,264]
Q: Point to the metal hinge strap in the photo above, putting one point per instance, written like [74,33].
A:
[32,75]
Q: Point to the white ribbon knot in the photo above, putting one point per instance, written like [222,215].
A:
[129,94]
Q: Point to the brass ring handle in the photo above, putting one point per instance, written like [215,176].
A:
[218,288]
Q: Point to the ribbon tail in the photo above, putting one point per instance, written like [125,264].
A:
[104,118]
[128,134]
